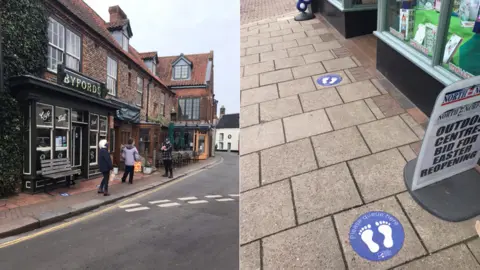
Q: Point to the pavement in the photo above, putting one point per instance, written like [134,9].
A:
[315,158]
[27,212]
[190,224]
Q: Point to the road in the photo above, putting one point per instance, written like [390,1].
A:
[185,233]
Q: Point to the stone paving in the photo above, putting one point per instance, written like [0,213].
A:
[314,158]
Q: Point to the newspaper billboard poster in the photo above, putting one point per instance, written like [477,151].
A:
[451,144]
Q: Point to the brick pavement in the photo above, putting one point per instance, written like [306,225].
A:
[256,10]
[314,158]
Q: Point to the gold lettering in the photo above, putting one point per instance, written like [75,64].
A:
[73,81]
[78,82]
[84,85]
[94,88]
[89,88]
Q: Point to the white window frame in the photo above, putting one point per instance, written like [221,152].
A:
[112,76]
[179,70]
[75,54]
[52,46]
[139,91]
[96,131]
[68,37]
[50,128]
[125,41]
[64,128]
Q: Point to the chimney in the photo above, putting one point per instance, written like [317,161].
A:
[222,111]
[116,14]
[210,56]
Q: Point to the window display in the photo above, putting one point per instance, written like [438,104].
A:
[93,153]
[462,50]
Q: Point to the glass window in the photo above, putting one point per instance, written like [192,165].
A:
[111,76]
[44,115]
[62,119]
[103,124]
[139,97]
[181,72]
[415,23]
[78,116]
[221,146]
[462,48]
[189,108]
[61,143]
[125,43]
[62,40]
[93,151]
[73,51]
[44,142]
[94,122]
[221,136]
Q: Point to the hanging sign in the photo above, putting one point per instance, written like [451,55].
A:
[73,79]
[451,144]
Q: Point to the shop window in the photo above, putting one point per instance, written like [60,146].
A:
[103,128]
[144,141]
[139,97]
[79,116]
[93,151]
[60,41]
[111,76]
[462,47]
[189,108]
[62,132]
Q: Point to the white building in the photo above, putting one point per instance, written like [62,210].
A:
[227,135]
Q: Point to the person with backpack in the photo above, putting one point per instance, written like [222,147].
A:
[129,155]
[167,158]
[105,166]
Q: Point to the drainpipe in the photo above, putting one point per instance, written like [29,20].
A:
[148,97]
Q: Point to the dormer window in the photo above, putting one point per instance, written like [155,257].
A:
[181,72]
[122,39]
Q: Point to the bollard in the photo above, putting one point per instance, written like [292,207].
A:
[304,6]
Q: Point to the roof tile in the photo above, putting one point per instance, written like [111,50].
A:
[199,63]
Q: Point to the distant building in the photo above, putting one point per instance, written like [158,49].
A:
[227,132]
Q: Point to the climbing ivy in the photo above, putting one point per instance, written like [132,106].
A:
[24,28]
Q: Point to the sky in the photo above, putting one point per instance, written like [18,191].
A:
[189,27]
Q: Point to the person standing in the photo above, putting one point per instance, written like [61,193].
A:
[105,165]
[129,155]
[167,158]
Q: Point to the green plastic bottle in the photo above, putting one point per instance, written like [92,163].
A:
[469,57]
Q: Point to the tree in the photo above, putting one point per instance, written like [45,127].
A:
[25,42]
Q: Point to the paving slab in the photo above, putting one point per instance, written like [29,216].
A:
[270,40]
[279,108]
[474,246]
[285,45]
[266,210]
[407,152]
[249,59]
[309,40]
[371,104]
[289,62]
[250,256]
[387,133]
[357,90]
[338,146]
[258,68]
[323,192]
[318,57]
[345,79]
[260,94]
[416,127]
[349,114]
[299,51]
[281,32]
[411,249]
[308,70]
[261,136]
[249,115]
[379,175]
[277,54]
[296,86]
[339,64]
[287,160]
[276,76]
[434,232]
[306,125]
[320,99]
[457,257]
[249,171]
[327,45]
[259,49]
[249,43]
[310,246]
[248,82]
[293,36]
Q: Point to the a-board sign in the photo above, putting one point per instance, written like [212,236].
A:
[451,144]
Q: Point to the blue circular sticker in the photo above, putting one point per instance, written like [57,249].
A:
[329,80]
[376,236]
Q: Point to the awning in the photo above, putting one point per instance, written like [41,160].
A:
[127,113]
[201,127]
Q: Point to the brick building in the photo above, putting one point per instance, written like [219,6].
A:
[95,86]
[190,77]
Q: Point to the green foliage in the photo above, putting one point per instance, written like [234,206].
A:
[24,28]
[160,119]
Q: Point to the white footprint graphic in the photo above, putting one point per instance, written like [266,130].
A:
[385,229]
[367,237]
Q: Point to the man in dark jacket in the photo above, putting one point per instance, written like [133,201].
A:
[167,158]
[105,166]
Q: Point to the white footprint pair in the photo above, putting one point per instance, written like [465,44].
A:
[384,228]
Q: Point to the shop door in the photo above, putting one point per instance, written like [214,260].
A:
[77,139]
[202,146]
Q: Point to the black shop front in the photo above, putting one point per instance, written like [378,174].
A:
[66,119]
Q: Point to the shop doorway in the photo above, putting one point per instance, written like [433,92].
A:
[78,143]
[202,145]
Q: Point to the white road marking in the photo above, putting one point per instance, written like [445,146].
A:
[157,202]
[197,202]
[129,205]
[137,209]
[233,195]
[168,204]
[187,198]
[213,196]
[225,200]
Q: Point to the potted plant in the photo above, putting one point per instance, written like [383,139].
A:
[147,168]
[115,168]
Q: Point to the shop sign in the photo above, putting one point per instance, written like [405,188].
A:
[73,79]
[451,144]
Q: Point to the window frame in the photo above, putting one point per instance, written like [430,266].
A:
[162,103]
[64,50]
[140,92]
[97,133]
[190,110]
[115,79]
[180,77]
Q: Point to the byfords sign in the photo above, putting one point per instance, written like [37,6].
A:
[75,80]
[451,144]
